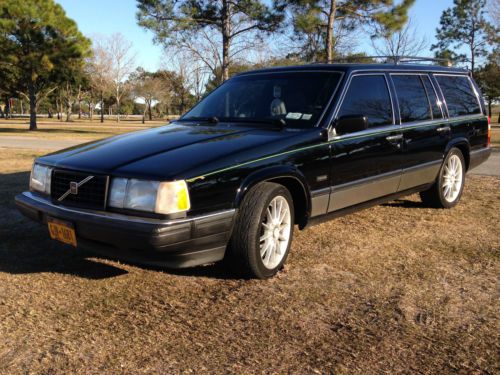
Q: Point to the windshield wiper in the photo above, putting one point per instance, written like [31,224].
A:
[212,120]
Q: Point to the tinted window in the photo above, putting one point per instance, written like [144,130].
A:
[368,95]
[412,98]
[431,94]
[459,95]
[298,98]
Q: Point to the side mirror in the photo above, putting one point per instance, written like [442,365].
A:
[351,124]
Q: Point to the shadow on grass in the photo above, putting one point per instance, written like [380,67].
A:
[25,246]
[404,203]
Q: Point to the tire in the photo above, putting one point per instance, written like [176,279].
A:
[259,246]
[447,190]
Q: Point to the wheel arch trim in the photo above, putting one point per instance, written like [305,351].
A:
[273,173]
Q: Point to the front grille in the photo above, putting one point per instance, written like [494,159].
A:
[91,194]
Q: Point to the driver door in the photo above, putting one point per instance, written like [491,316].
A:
[366,164]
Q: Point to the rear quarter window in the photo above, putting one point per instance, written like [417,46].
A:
[459,94]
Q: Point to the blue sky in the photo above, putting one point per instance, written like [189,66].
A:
[111,16]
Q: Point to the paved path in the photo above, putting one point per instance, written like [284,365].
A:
[490,168]
[492,165]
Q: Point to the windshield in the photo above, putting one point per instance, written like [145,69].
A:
[298,98]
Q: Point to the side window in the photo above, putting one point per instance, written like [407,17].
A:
[368,95]
[459,95]
[431,94]
[412,98]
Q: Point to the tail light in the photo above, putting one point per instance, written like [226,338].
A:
[488,142]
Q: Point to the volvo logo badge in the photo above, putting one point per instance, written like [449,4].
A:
[73,187]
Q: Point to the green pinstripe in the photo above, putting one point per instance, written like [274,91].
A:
[403,128]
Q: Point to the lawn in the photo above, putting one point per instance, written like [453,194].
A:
[84,129]
[397,288]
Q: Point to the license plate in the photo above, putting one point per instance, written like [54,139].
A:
[62,231]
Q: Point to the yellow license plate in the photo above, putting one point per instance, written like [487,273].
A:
[62,231]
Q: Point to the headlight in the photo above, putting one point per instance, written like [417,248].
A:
[150,196]
[40,178]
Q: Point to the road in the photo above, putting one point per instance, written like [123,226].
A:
[490,168]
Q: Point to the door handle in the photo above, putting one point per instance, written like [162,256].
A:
[443,129]
[392,138]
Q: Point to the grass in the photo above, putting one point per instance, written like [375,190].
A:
[83,129]
[397,288]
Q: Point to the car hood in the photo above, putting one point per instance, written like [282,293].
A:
[169,152]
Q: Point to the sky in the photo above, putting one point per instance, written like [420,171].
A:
[111,16]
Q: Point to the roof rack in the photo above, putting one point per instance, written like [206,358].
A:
[397,59]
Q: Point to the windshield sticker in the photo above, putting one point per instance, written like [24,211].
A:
[293,115]
[307,116]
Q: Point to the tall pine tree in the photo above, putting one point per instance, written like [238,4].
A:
[464,25]
[316,21]
[174,20]
[37,40]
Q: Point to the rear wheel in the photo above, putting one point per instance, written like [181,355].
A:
[447,190]
[262,232]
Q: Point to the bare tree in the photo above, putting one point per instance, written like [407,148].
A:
[99,70]
[122,63]
[405,42]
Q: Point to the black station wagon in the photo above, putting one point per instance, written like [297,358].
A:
[265,151]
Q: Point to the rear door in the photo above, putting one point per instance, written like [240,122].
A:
[366,164]
[466,118]
[425,131]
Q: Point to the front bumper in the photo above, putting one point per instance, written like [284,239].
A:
[172,243]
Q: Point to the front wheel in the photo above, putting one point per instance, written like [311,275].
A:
[263,231]
[447,190]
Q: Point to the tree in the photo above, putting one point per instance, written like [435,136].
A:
[36,40]
[98,70]
[404,42]
[323,22]
[464,25]
[149,87]
[488,78]
[176,23]
[122,63]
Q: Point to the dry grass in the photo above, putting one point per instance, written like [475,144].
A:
[83,129]
[398,288]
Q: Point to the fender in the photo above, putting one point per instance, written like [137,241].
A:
[457,141]
[271,173]
[463,144]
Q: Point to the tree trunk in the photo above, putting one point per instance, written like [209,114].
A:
[68,112]
[117,110]
[57,110]
[226,38]
[102,107]
[21,104]
[79,101]
[49,113]
[329,31]
[489,109]
[32,96]
[60,110]
[149,111]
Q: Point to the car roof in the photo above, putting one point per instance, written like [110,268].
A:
[359,67]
